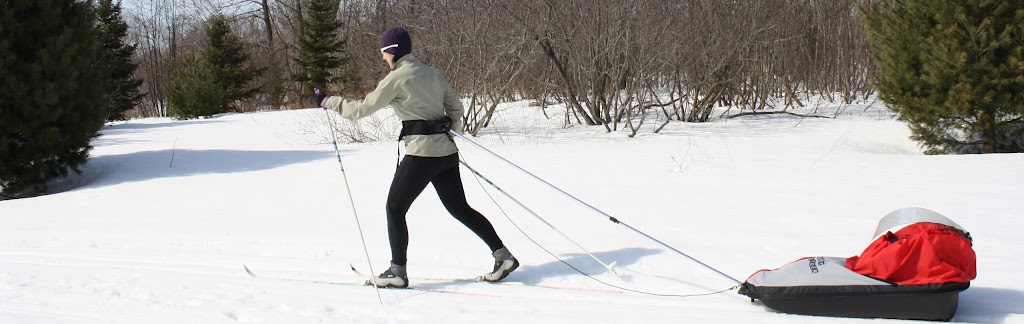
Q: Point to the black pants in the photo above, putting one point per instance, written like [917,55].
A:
[411,178]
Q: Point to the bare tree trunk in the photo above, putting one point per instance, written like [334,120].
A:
[571,95]
[274,86]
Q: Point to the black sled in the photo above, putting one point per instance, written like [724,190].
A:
[827,286]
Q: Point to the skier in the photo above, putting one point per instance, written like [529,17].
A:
[428,107]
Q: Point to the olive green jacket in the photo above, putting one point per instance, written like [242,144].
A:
[417,92]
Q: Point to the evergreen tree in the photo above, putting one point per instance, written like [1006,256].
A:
[51,99]
[321,49]
[116,61]
[227,61]
[209,83]
[952,70]
[193,92]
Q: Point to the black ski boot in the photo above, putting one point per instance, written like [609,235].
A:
[504,263]
[393,277]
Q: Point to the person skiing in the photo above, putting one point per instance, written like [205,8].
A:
[428,107]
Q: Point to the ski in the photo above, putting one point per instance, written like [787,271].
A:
[347,283]
[500,283]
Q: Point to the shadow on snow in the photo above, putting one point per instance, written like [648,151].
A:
[989,305]
[109,170]
[533,274]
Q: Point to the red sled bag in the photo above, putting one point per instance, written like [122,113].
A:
[918,254]
[916,268]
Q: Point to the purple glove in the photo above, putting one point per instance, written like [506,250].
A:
[321,97]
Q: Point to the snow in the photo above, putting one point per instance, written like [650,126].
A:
[158,226]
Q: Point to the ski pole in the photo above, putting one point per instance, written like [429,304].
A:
[334,141]
[609,217]
[610,267]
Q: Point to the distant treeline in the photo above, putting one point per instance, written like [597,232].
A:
[611,62]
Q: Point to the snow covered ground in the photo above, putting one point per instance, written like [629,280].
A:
[158,227]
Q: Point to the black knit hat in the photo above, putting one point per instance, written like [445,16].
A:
[397,42]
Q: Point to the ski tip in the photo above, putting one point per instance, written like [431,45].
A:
[354,270]
[248,271]
[613,269]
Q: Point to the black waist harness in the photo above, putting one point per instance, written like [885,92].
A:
[425,127]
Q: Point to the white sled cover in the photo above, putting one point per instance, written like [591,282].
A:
[812,271]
